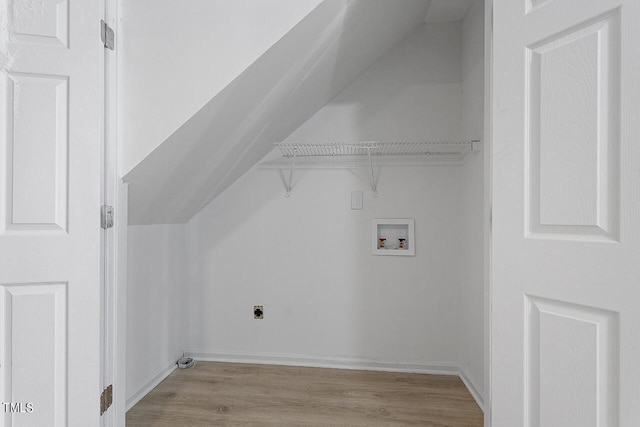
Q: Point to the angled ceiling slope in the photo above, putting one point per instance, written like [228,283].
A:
[296,77]
[442,11]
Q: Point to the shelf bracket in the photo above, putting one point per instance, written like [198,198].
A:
[293,163]
[373,178]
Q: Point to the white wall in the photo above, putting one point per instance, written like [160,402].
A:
[471,297]
[173,63]
[307,258]
[412,93]
[155,309]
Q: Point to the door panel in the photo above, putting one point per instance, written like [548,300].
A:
[565,292]
[36,147]
[35,325]
[571,355]
[50,190]
[573,132]
[41,22]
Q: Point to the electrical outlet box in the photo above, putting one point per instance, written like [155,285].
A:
[258,312]
[356,200]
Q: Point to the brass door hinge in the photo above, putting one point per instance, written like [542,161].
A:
[106,399]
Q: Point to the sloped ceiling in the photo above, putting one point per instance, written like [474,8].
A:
[442,11]
[296,77]
[169,73]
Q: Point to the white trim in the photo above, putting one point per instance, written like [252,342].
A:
[120,309]
[488,200]
[151,384]
[112,369]
[472,387]
[412,366]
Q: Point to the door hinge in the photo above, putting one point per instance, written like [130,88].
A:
[106,217]
[106,399]
[107,35]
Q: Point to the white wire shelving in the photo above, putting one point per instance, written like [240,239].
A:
[298,149]
[372,150]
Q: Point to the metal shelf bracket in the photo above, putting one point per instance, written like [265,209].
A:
[374,190]
[293,164]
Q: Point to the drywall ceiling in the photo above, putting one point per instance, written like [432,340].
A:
[296,77]
[441,11]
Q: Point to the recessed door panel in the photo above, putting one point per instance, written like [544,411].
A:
[573,133]
[572,376]
[34,346]
[35,148]
[41,21]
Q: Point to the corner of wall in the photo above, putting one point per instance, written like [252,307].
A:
[157,257]
[471,298]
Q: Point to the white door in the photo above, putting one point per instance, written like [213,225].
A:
[50,177]
[565,315]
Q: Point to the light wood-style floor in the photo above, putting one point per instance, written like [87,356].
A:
[229,394]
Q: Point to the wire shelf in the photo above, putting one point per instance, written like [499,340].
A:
[294,150]
[323,149]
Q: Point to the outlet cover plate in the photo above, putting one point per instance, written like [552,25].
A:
[356,200]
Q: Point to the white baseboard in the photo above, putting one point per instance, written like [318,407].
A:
[419,367]
[473,389]
[411,366]
[151,384]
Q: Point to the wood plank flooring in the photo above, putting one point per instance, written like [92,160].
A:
[229,394]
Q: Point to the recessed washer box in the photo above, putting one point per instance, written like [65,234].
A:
[393,236]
